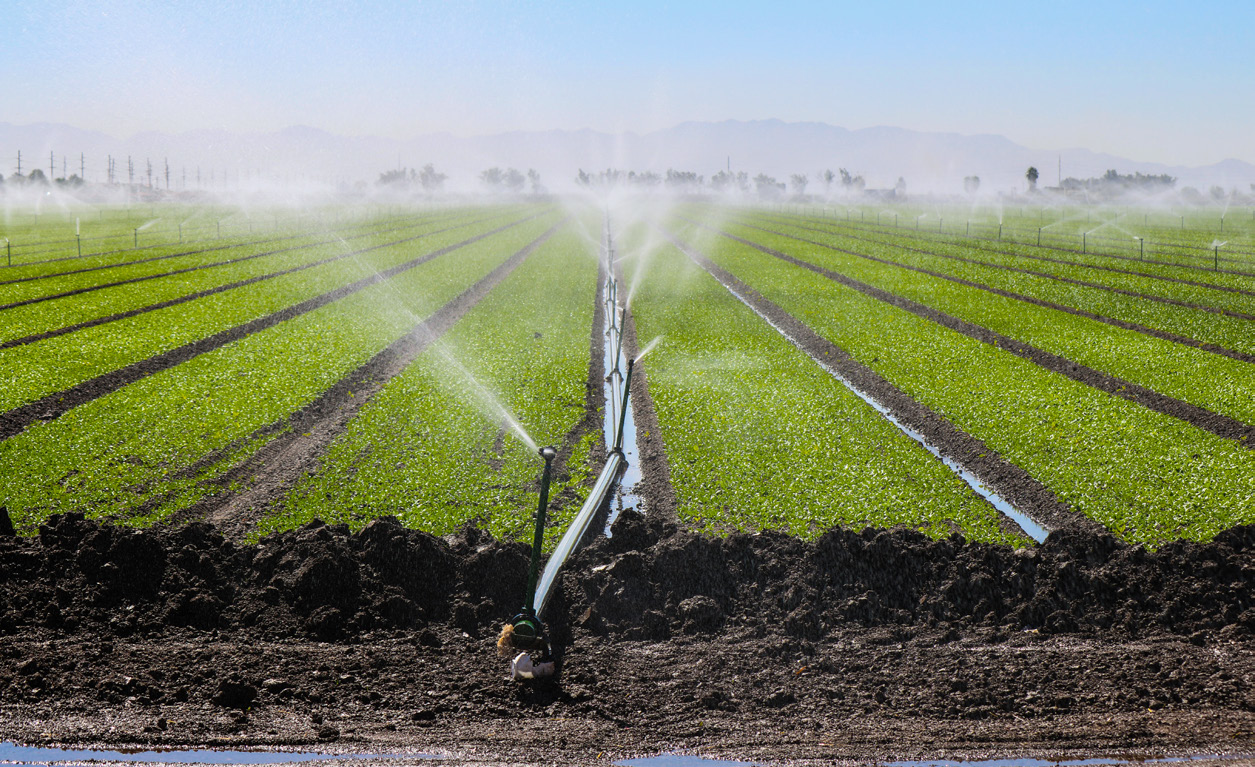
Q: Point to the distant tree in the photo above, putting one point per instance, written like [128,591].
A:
[743,181]
[1031,174]
[1217,193]
[766,186]
[583,179]
[799,182]
[828,176]
[648,179]
[533,176]
[37,177]
[971,184]
[430,179]
[492,178]
[899,189]
[722,181]
[513,180]
[394,178]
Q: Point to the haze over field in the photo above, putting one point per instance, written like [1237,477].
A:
[984,89]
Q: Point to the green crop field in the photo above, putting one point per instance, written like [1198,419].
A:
[263,368]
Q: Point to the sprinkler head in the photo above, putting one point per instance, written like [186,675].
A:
[548,453]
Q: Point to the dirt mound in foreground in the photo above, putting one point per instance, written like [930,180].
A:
[648,582]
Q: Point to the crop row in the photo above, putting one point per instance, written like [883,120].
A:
[90,232]
[1150,257]
[57,363]
[1145,475]
[1211,381]
[435,448]
[102,294]
[759,436]
[1194,289]
[129,453]
[59,279]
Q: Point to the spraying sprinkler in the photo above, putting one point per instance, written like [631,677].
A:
[525,632]
[627,388]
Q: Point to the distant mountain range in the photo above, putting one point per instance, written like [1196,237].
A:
[929,162]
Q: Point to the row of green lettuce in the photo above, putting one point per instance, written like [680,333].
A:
[1211,381]
[760,436]
[1146,476]
[1214,291]
[140,453]
[435,447]
[57,363]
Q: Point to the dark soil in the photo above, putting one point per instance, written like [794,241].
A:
[1009,481]
[879,644]
[1216,423]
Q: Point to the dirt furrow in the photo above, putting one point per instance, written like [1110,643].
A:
[651,450]
[58,403]
[306,434]
[1216,423]
[1122,324]
[1011,482]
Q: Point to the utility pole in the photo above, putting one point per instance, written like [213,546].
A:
[19,162]
[167,174]
[82,166]
[52,166]
[150,172]
[130,171]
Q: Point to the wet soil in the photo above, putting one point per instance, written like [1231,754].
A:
[1216,423]
[857,646]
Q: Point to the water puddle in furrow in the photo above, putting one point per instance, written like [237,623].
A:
[13,754]
[615,365]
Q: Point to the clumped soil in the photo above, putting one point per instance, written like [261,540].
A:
[868,645]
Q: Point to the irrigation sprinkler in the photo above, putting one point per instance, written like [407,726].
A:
[219,223]
[968,232]
[525,631]
[8,251]
[627,388]
[78,242]
[999,231]
[1141,248]
[136,234]
[1084,244]
[1039,236]
[180,232]
[1215,252]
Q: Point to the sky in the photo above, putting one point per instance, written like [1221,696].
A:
[1170,82]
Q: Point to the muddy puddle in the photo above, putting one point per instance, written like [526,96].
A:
[14,754]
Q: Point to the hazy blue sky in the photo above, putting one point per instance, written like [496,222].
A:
[1152,80]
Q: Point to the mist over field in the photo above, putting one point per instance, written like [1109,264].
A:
[929,163]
